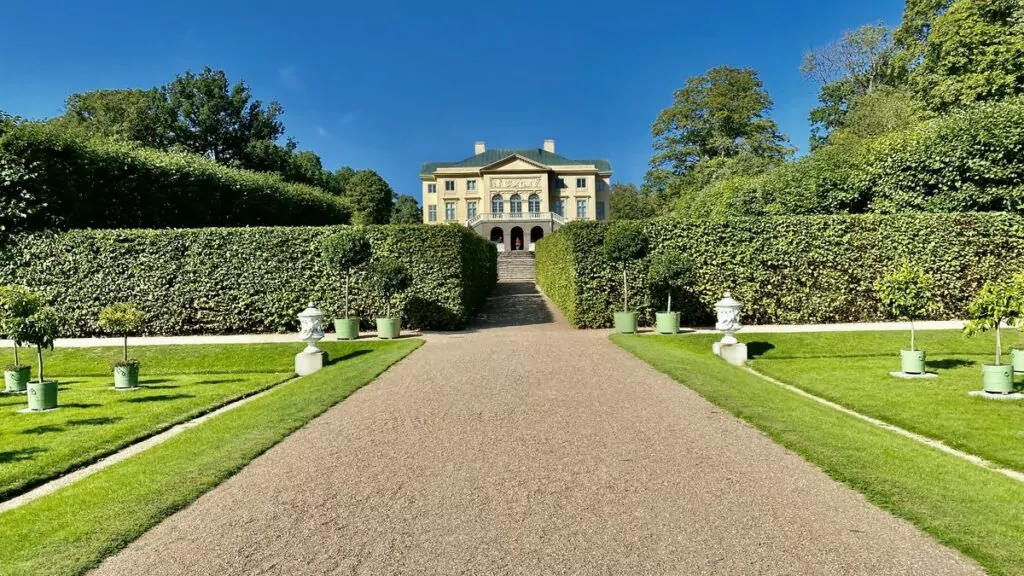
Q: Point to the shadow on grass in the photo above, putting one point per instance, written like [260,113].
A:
[80,405]
[157,398]
[950,363]
[756,349]
[349,356]
[20,455]
[99,421]
[44,429]
[147,382]
[221,381]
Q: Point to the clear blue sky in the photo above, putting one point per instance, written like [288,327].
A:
[388,85]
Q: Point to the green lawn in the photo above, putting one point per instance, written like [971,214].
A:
[977,511]
[73,529]
[179,383]
[853,370]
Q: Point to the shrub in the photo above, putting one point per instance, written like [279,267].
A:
[122,319]
[669,273]
[907,294]
[76,183]
[17,304]
[245,280]
[625,242]
[345,251]
[787,270]
[389,278]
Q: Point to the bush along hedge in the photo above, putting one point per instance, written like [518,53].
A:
[74,183]
[246,280]
[787,270]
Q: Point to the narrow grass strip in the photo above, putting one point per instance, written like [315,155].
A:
[974,510]
[73,529]
[937,444]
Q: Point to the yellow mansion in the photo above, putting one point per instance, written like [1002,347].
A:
[515,197]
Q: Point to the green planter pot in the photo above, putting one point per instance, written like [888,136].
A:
[625,322]
[17,380]
[667,322]
[997,379]
[347,328]
[126,377]
[1017,357]
[42,395]
[912,361]
[388,328]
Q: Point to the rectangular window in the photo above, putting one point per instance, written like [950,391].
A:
[431,188]
[471,185]
[449,185]
[581,209]
[560,207]
[432,213]
[471,209]
[449,211]
[601,186]
[561,183]
[581,182]
[600,210]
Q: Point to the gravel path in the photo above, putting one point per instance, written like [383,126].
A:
[524,447]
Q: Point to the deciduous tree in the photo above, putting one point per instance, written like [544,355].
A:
[406,211]
[369,198]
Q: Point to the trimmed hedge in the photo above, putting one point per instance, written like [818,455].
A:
[98,183]
[786,270]
[246,280]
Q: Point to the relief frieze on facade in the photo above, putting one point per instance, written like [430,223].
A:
[504,183]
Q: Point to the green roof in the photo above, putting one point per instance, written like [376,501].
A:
[537,155]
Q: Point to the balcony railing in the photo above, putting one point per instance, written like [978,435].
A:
[514,216]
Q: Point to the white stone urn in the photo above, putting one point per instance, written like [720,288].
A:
[311,328]
[728,311]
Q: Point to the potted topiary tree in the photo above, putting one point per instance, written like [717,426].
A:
[670,273]
[390,278]
[908,293]
[123,319]
[624,243]
[17,304]
[40,330]
[344,252]
[996,304]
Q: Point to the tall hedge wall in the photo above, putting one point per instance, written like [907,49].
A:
[98,183]
[244,280]
[786,270]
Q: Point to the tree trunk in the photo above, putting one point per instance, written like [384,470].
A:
[669,302]
[999,346]
[347,308]
[625,290]
[39,356]
[16,361]
[125,347]
[912,343]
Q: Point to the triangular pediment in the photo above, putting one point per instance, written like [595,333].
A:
[514,163]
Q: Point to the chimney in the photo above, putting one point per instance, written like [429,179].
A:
[549,146]
[479,148]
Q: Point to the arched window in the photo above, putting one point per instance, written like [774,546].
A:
[497,205]
[515,204]
[534,202]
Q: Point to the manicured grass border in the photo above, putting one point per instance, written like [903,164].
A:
[73,529]
[976,511]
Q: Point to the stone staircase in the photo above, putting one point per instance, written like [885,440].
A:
[518,266]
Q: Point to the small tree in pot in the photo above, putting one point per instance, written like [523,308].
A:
[40,330]
[908,293]
[17,304]
[390,277]
[123,320]
[670,273]
[624,243]
[344,252]
[996,304]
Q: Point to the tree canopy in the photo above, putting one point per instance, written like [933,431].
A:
[406,211]
[369,197]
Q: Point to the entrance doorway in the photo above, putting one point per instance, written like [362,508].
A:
[518,239]
[498,238]
[536,233]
